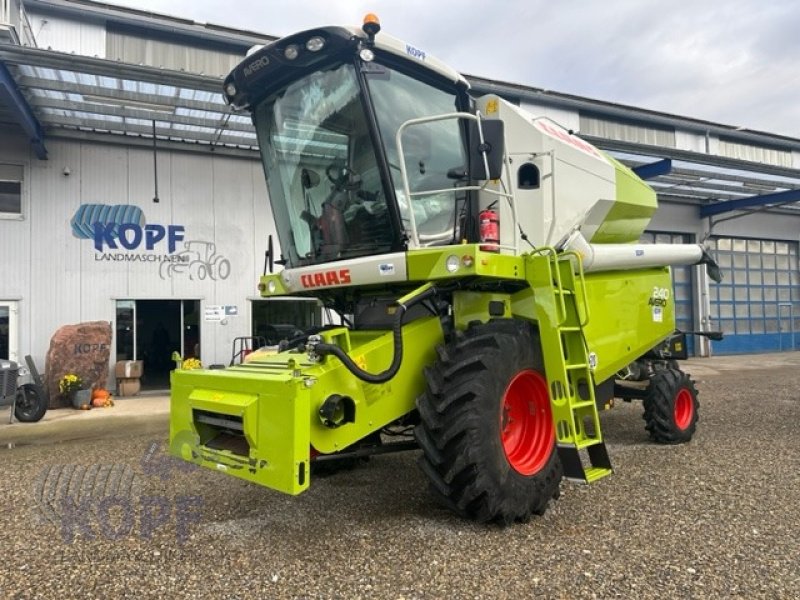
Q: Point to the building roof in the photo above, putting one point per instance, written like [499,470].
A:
[95,98]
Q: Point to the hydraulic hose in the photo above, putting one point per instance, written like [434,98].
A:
[324,349]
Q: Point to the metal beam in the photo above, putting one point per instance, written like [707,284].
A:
[120,95]
[138,113]
[99,125]
[650,170]
[116,139]
[717,208]
[22,55]
[705,184]
[689,156]
[21,111]
[690,193]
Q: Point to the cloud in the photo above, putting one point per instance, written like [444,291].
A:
[732,62]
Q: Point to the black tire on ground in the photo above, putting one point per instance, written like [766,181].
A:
[671,407]
[475,462]
[30,406]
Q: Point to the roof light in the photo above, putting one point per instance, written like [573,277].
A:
[371,26]
[230,89]
[367,55]
[291,51]
[315,44]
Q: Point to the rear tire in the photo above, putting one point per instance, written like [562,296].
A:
[671,407]
[486,429]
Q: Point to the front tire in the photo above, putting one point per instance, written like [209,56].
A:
[486,427]
[671,407]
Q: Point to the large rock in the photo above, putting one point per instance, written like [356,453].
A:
[82,349]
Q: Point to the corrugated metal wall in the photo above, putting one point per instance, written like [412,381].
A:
[61,279]
[170,55]
[67,35]
[627,132]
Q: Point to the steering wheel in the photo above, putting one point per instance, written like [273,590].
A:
[343,177]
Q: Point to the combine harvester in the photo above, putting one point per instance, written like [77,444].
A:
[484,266]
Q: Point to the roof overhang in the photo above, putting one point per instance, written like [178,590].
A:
[66,93]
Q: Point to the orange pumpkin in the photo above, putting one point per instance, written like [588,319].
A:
[100,393]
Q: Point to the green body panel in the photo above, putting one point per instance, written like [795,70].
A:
[632,211]
[430,263]
[475,306]
[622,326]
[278,399]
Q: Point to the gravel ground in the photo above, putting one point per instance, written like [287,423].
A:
[716,518]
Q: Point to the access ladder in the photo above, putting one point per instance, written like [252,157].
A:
[562,309]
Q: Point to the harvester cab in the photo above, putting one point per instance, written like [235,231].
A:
[484,270]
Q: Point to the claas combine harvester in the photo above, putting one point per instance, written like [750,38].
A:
[483,275]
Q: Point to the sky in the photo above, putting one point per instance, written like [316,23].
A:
[735,62]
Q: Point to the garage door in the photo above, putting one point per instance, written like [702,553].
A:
[681,281]
[757,305]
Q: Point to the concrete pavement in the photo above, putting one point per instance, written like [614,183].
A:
[145,414]
[149,413]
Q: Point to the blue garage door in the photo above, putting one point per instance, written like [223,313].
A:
[757,305]
[681,282]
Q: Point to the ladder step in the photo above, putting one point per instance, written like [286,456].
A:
[563,291]
[569,328]
[587,443]
[582,404]
[594,473]
[577,366]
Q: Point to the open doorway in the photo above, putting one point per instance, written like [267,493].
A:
[8,330]
[151,330]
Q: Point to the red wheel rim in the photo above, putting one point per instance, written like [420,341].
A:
[684,409]
[526,423]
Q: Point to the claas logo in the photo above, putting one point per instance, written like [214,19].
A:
[325,278]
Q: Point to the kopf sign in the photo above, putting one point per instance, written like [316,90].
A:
[130,236]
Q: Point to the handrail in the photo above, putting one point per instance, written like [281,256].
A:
[479,188]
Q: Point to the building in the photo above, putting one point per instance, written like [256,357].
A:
[116,114]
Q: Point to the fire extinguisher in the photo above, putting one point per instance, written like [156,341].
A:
[489,229]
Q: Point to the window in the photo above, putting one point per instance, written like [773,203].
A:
[10,191]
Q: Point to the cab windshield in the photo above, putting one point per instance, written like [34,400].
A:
[322,172]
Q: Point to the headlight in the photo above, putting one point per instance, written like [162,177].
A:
[315,44]
[230,89]
[367,55]
[291,52]
[452,263]
[271,287]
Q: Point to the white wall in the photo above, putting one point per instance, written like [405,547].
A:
[58,278]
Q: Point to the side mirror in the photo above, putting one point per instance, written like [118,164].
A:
[493,146]
[269,256]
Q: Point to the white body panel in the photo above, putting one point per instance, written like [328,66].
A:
[382,269]
[396,46]
[577,182]
[616,257]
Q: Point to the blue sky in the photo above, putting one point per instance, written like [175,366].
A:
[735,62]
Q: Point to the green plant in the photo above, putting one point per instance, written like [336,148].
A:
[70,383]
